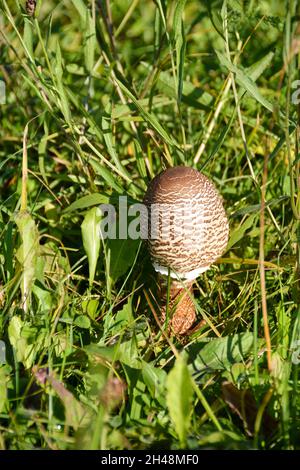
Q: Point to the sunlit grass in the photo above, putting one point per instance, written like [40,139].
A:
[98,101]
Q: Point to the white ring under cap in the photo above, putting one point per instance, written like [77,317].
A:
[190,276]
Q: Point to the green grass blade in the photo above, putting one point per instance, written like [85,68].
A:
[91,239]
[179,398]
[245,81]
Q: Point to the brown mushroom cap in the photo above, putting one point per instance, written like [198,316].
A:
[187,225]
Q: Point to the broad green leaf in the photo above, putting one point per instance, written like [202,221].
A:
[255,70]
[236,5]
[4,385]
[108,353]
[122,256]
[128,353]
[155,379]
[87,201]
[44,297]
[123,351]
[91,239]
[136,391]
[245,81]
[239,232]
[24,352]
[179,390]
[14,330]
[220,353]
[95,378]
[106,174]
[27,253]
[90,307]
[121,319]
[61,344]
[82,321]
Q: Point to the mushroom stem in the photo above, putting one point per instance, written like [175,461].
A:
[181,308]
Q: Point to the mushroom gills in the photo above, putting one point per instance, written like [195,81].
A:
[189,276]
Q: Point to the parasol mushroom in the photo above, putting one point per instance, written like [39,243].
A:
[187,231]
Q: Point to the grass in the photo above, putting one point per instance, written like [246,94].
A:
[100,97]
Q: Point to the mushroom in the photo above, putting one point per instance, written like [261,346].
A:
[187,231]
